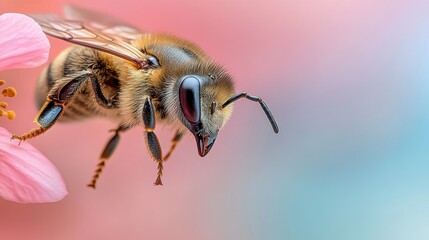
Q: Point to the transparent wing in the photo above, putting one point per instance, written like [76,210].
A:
[80,33]
[106,24]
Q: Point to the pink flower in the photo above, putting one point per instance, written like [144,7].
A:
[26,176]
[22,42]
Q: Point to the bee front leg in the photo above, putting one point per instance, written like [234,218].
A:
[105,155]
[176,139]
[152,142]
[51,110]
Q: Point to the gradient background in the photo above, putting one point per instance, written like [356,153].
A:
[348,84]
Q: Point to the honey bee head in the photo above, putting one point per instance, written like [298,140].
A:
[198,100]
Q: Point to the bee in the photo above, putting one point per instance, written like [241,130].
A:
[134,78]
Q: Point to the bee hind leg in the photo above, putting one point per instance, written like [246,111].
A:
[105,155]
[58,98]
[47,116]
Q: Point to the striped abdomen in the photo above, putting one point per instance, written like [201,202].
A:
[70,64]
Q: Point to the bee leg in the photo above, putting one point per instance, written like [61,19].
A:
[152,142]
[105,155]
[176,139]
[53,107]
[99,97]
[46,117]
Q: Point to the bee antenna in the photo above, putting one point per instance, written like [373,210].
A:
[255,99]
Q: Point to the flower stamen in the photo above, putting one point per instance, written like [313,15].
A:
[7,92]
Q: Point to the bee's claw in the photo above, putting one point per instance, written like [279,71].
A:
[158,181]
[14,136]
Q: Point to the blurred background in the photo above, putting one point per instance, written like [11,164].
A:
[348,84]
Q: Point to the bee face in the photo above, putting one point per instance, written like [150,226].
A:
[200,111]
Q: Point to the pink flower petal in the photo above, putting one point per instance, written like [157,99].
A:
[26,176]
[22,42]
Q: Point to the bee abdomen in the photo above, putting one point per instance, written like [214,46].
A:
[81,106]
[42,88]
[49,77]
[77,110]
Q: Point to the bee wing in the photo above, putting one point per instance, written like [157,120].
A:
[106,24]
[79,33]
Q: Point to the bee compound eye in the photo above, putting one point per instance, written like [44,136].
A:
[189,97]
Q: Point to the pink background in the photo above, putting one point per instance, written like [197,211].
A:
[347,83]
